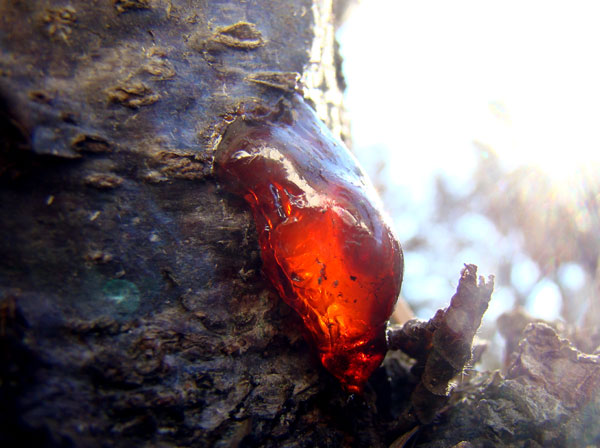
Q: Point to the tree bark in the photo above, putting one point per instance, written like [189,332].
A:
[133,311]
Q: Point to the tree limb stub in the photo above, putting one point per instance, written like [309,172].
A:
[442,346]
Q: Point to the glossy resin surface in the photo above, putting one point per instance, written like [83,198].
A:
[325,245]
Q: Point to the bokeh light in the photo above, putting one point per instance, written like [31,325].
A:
[478,122]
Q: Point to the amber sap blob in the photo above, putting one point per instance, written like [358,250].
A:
[325,245]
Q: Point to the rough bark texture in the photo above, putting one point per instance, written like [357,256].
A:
[132,309]
[442,347]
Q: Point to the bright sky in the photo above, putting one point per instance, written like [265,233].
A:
[427,78]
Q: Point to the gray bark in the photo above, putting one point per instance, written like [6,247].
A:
[132,308]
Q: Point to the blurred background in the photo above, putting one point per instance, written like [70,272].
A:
[479,123]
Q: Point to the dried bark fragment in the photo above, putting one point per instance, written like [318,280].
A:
[286,81]
[59,21]
[91,143]
[550,397]
[178,164]
[103,180]
[443,346]
[240,35]
[512,324]
[563,371]
[132,95]
[125,5]
[162,69]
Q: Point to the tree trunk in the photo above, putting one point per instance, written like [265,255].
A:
[133,310]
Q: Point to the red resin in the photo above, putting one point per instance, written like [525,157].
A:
[324,243]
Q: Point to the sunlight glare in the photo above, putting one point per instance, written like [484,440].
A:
[426,79]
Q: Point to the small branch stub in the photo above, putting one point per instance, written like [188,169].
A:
[442,346]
